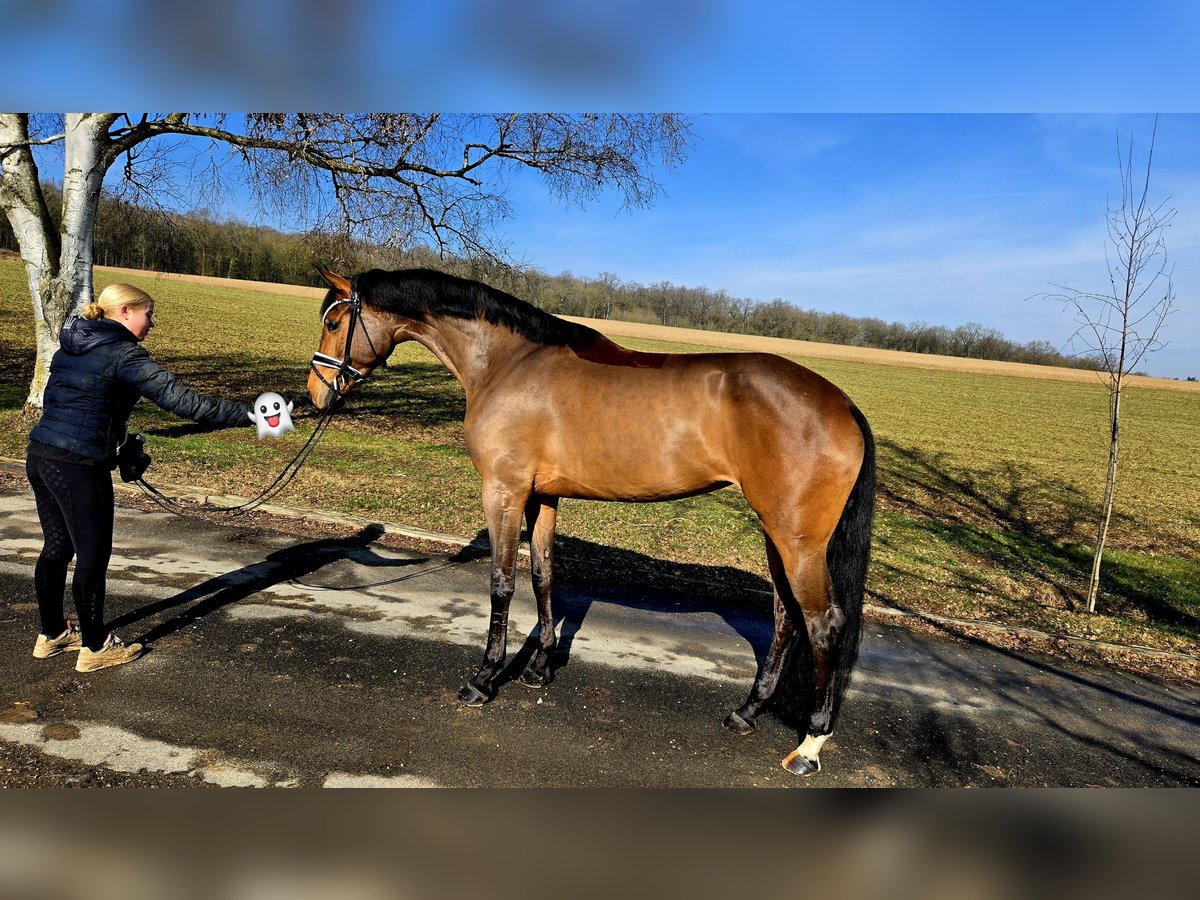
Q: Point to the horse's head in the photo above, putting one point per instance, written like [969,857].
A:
[354,342]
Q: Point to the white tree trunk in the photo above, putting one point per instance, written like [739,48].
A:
[1110,490]
[58,286]
[87,159]
[22,201]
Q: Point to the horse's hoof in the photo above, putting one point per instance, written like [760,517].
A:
[472,696]
[534,679]
[797,764]
[738,725]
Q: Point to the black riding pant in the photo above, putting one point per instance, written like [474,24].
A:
[75,506]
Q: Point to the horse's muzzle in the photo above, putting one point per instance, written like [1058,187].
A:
[320,393]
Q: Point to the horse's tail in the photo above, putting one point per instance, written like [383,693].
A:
[847,556]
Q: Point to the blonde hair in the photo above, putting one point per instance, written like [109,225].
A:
[113,298]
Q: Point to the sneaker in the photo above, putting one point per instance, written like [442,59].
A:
[115,652]
[66,642]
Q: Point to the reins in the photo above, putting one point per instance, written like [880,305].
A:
[276,487]
[345,372]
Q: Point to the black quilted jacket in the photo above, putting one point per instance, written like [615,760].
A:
[96,377]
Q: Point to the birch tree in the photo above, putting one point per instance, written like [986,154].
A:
[396,178]
[1122,326]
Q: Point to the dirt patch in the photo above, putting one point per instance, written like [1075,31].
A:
[18,712]
[60,732]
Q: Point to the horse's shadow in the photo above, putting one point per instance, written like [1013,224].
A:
[636,581]
[275,568]
[584,572]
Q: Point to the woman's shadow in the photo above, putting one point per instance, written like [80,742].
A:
[283,565]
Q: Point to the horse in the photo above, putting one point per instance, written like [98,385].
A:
[555,409]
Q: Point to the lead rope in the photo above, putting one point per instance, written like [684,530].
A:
[276,487]
[344,370]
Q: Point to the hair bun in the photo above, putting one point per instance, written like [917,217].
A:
[93,311]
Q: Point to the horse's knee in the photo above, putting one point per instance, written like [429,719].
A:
[541,574]
[503,584]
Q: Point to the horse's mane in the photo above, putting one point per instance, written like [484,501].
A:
[420,293]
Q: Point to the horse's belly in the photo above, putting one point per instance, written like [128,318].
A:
[588,488]
[624,467]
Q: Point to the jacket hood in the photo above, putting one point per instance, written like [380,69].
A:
[80,335]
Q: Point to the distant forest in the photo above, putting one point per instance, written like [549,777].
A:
[199,244]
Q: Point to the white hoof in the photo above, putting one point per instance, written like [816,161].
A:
[806,759]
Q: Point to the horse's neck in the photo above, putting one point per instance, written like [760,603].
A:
[470,348]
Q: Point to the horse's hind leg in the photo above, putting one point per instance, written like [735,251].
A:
[541,513]
[504,510]
[803,590]
[825,621]
[741,720]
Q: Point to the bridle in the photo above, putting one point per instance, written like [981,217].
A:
[345,375]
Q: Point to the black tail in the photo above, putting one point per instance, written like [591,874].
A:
[847,556]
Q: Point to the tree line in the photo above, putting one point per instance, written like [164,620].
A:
[199,243]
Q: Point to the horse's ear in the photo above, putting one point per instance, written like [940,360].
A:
[337,282]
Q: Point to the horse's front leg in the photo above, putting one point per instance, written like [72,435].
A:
[504,509]
[541,514]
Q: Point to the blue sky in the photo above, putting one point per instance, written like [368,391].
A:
[940,218]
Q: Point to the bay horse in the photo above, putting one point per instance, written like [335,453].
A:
[555,409]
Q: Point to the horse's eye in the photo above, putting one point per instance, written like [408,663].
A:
[333,326]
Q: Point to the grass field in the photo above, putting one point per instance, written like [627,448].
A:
[990,478]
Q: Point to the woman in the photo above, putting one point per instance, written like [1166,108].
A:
[95,379]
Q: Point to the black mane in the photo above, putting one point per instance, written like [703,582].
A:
[422,293]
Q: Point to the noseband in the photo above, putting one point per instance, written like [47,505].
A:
[345,375]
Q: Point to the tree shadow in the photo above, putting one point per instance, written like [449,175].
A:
[1018,521]
[287,564]
[1058,709]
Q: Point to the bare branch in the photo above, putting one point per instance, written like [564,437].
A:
[34,142]
[390,177]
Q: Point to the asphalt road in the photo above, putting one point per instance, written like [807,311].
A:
[304,659]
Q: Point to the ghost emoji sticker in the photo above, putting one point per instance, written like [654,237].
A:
[271,415]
